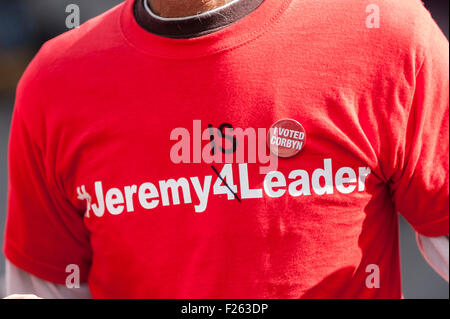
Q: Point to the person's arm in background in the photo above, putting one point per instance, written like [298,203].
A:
[436,251]
[23,285]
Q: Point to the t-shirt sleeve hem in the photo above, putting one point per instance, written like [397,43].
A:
[39,269]
[435,228]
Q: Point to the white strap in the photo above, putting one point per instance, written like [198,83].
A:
[197,16]
[436,251]
[21,282]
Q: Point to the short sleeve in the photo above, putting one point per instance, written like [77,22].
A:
[44,232]
[421,185]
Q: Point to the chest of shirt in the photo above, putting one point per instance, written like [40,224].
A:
[190,138]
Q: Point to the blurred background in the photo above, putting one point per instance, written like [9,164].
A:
[26,24]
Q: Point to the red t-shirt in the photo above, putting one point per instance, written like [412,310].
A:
[101,109]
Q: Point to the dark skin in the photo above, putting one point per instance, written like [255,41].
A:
[184,8]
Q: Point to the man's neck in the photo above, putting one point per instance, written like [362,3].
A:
[184,8]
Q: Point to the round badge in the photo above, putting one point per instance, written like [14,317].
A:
[286,138]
